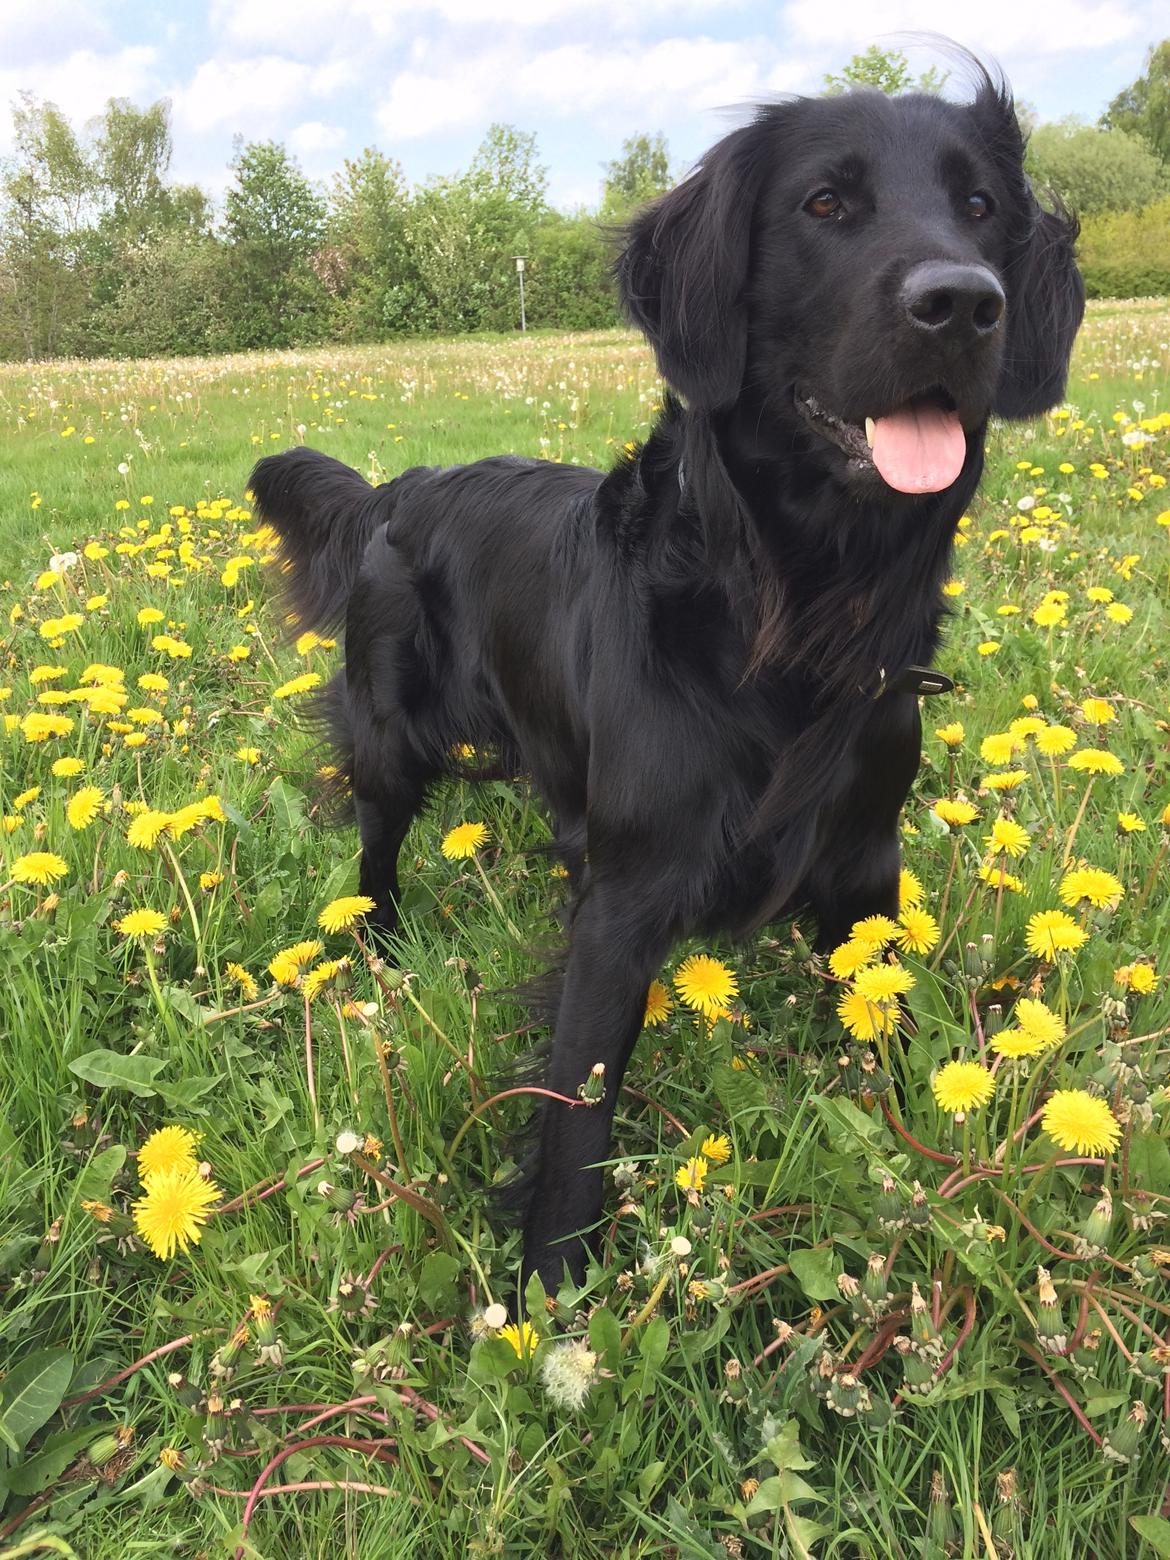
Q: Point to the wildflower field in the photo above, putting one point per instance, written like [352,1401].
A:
[888,1266]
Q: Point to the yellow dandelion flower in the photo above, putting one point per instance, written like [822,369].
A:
[691,1176]
[153,682]
[1003,780]
[1052,932]
[149,615]
[84,806]
[21,802]
[716,1150]
[1008,837]
[523,1338]
[658,1005]
[322,976]
[146,827]
[1131,823]
[1016,1043]
[462,842]
[66,768]
[295,685]
[954,813]
[998,878]
[865,1020]
[340,915]
[1118,612]
[1054,740]
[286,967]
[919,931]
[960,1087]
[38,868]
[910,889]
[1026,726]
[1080,1123]
[952,733]
[170,1148]
[881,982]
[1140,978]
[999,747]
[849,957]
[705,984]
[1102,890]
[176,1206]
[1098,712]
[141,924]
[1096,761]
[877,930]
[237,973]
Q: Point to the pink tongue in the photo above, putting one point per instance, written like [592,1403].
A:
[919,448]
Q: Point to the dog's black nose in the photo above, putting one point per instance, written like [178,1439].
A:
[958,302]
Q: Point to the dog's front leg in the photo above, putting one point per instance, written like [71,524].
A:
[613,954]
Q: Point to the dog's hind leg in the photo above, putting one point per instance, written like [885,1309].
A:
[383,823]
[613,956]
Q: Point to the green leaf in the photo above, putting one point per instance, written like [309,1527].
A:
[436,1280]
[95,1180]
[109,1070]
[268,903]
[847,1126]
[605,1336]
[816,1272]
[187,1093]
[649,1479]
[741,1094]
[654,1342]
[1155,1531]
[33,1390]
[49,1461]
[784,1449]
[288,809]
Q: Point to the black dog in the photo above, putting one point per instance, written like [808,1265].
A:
[704,657]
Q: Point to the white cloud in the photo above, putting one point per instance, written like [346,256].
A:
[310,139]
[252,95]
[80,82]
[1003,26]
[626,85]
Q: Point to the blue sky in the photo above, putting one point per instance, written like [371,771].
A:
[422,79]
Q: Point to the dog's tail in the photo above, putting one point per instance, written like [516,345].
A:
[325,514]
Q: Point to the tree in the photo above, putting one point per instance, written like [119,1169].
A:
[1093,170]
[1143,108]
[132,152]
[274,220]
[46,207]
[368,225]
[886,69]
[505,167]
[637,176]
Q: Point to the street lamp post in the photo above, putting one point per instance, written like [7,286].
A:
[520,278]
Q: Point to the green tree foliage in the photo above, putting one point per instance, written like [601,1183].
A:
[1143,108]
[46,209]
[1126,254]
[886,69]
[274,221]
[638,175]
[1094,170]
[375,281]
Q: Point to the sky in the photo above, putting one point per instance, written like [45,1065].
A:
[423,79]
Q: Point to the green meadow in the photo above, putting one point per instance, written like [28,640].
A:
[886,1263]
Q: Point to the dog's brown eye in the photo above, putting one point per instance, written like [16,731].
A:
[825,203]
[979,205]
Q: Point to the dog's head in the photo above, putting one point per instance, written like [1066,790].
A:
[870,275]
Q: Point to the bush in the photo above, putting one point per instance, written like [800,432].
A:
[1126,254]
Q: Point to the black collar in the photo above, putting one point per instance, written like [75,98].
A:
[914,679]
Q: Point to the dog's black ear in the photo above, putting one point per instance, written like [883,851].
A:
[683,270]
[1046,301]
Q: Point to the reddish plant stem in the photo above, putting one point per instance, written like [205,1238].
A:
[123,1375]
[382,1257]
[982,1172]
[930,1153]
[1111,1329]
[1038,1359]
[375,1448]
[354,1406]
[309,1078]
[265,1188]
[353,1485]
[421,1205]
[654,1105]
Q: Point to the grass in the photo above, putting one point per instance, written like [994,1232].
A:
[722,1386]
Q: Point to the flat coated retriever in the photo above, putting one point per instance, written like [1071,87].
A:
[706,657]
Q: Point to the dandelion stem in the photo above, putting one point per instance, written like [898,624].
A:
[1076,823]
[496,901]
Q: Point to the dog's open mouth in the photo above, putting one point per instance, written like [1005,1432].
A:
[919,447]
